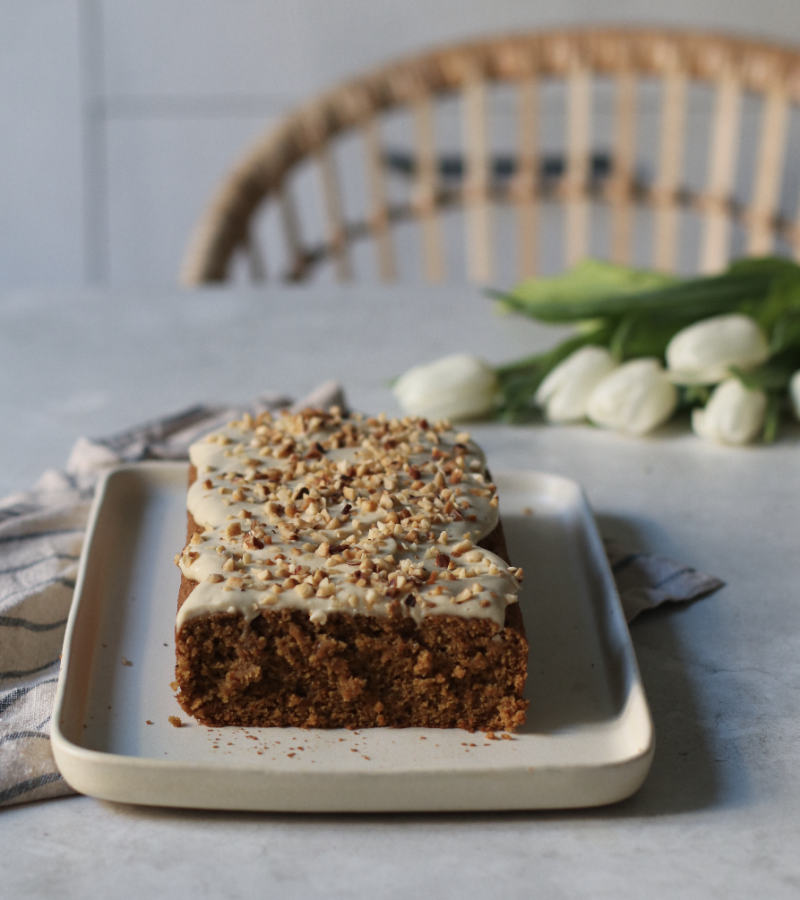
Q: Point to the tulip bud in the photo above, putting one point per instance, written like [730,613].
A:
[456,387]
[704,352]
[565,392]
[733,414]
[635,398]
[794,393]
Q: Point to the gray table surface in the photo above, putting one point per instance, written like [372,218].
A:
[720,812]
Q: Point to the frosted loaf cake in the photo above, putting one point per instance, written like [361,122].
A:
[347,572]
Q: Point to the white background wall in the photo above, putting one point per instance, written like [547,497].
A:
[117,118]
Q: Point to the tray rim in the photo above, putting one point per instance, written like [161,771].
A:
[96,772]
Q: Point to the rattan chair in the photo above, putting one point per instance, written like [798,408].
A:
[552,172]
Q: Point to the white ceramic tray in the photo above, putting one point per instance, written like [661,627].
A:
[588,740]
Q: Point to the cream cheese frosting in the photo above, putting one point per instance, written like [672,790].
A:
[327,513]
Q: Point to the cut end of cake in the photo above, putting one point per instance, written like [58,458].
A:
[282,669]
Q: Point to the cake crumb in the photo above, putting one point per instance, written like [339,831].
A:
[126,662]
[147,722]
[490,736]
[506,737]
[527,511]
[175,722]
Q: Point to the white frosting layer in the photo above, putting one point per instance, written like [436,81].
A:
[330,514]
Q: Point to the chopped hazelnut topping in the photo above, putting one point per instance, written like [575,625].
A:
[410,479]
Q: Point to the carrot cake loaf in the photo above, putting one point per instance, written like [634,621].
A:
[344,571]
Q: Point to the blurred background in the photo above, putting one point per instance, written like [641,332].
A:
[118,119]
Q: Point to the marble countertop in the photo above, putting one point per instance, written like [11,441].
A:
[719,815]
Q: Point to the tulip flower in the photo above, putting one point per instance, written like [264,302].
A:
[456,387]
[564,393]
[635,398]
[704,352]
[794,393]
[733,415]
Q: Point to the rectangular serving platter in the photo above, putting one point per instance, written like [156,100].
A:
[588,740]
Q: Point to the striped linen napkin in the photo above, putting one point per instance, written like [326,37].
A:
[41,534]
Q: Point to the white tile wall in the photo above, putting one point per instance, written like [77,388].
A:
[207,48]
[41,163]
[117,118]
[161,172]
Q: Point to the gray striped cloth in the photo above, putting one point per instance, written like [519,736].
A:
[41,533]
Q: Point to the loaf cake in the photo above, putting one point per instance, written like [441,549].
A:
[347,572]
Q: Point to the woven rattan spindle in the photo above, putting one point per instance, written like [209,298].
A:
[332,198]
[576,185]
[379,213]
[255,260]
[426,186]
[526,181]
[670,164]
[477,210]
[621,182]
[768,173]
[291,233]
[721,172]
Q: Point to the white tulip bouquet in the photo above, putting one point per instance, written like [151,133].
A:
[727,347]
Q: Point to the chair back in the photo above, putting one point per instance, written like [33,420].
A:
[506,158]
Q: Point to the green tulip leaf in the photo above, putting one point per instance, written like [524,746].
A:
[763,265]
[590,278]
[698,298]
[774,375]
[786,331]
[772,418]
[692,395]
